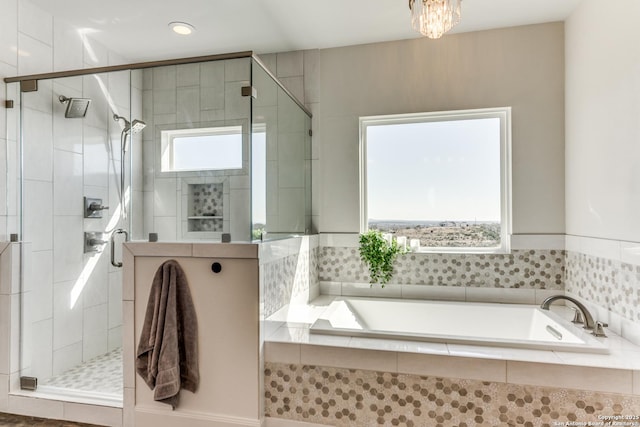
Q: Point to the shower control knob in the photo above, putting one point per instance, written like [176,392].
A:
[97,207]
[93,207]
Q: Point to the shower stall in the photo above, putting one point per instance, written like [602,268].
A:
[200,149]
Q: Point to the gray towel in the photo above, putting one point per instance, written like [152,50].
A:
[167,356]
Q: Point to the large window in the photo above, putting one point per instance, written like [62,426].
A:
[442,178]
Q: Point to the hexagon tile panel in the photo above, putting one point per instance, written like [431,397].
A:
[526,269]
[353,397]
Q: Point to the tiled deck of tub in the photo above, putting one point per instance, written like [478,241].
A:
[288,340]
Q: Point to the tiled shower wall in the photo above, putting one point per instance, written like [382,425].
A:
[71,312]
[191,96]
[299,72]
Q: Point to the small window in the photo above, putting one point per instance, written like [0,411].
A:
[216,148]
[441,178]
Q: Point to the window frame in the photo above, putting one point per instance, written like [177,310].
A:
[167,137]
[502,113]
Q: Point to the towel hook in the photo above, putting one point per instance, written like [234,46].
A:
[216,267]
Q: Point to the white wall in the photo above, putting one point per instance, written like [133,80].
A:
[603,161]
[521,67]
[603,120]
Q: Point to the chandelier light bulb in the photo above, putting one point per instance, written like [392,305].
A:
[433,18]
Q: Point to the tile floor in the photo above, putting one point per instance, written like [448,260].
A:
[18,421]
[102,374]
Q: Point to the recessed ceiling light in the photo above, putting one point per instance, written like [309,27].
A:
[182,28]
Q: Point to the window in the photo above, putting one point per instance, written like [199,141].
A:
[216,148]
[442,178]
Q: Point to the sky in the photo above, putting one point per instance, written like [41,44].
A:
[434,171]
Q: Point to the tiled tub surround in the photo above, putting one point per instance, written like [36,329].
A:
[608,283]
[288,271]
[347,397]
[605,275]
[525,269]
[379,381]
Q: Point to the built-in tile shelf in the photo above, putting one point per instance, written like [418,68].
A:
[206,217]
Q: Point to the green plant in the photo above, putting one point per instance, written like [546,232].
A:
[379,255]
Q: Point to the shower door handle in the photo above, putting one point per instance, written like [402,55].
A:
[113,245]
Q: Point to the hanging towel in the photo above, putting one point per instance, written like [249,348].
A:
[167,356]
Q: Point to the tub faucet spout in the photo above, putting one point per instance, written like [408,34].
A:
[589,323]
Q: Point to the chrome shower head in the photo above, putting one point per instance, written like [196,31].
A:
[137,126]
[130,127]
[76,107]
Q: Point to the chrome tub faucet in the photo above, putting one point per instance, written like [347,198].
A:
[589,323]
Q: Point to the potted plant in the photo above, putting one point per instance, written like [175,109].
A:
[379,254]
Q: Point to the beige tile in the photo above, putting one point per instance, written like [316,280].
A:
[542,294]
[636,382]
[331,288]
[312,75]
[5,269]
[348,358]
[604,248]
[338,240]
[538,241]
[227,250]
[630,253]
[290,63]
[565,376]
[159,249]
[4,391]
[35,407]
[452,367]
[5,333]
[281,422]
[295,85]
[100,415]
[440,293]
[128,291]
[501,295]
[128,343]
[129,403]
[279,352]
[369,290]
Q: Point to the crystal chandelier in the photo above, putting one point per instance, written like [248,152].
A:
[433,18]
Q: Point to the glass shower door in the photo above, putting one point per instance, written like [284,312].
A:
[71,204]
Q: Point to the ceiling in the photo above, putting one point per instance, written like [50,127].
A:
[138,30]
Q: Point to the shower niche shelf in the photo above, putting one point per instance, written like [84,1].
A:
[204,208]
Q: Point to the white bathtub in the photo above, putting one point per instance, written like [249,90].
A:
[504,325]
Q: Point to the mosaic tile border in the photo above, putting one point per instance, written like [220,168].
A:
[522,269]
[348,397]
[611,284]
